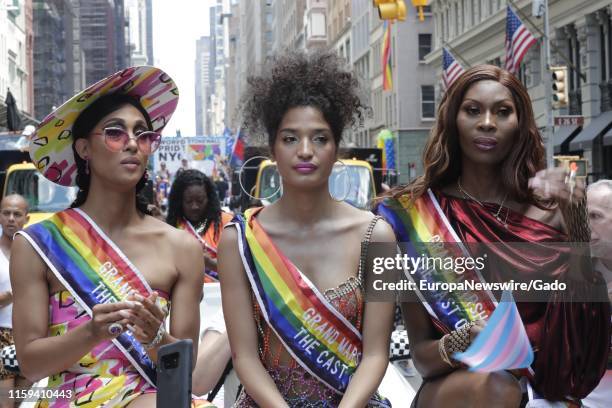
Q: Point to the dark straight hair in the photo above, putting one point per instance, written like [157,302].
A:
[84,124]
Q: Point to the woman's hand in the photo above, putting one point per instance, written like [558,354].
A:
[145,318]
[107,314]
[556,184]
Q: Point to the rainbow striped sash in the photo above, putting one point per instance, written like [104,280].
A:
[186,225]
[423,227]
[316,335]
[183,224]
[93,269]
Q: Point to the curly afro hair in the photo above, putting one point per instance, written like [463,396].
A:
[295,79]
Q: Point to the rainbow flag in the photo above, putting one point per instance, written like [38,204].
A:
[503,343]
[386,57]
[316,335]
[424,232]
[93,269]
[237,156]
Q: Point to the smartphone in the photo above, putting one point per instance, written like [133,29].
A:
[174,374]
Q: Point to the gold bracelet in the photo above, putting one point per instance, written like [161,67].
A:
[443,352]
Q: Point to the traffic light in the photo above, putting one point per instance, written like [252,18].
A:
[559,86]
[419,4]
[391,9]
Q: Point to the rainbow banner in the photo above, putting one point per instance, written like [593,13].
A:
[386,57]
[424,232]
[316,335]
[93,269]
[503,343]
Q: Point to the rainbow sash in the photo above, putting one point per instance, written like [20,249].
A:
[316,335]
[186,225]
[183,224]
[423,229]
[93,269]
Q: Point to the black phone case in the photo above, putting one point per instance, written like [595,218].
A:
[174,375]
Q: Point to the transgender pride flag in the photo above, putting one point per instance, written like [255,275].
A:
[503,343]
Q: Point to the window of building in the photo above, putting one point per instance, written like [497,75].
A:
[348,50]
[605,45]
[574,54]
[428,102]
[572,50]
[424,45]
[456,22]
[522,74]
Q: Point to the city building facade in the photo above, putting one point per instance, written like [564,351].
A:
[103,37]
[581,39]
[202,82]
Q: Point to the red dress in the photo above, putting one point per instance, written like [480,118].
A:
[570,339]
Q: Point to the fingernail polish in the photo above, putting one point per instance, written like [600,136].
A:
[124,313]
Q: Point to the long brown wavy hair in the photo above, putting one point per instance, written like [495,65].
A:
[442,154]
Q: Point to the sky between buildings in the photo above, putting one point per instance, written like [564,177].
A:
[177,24]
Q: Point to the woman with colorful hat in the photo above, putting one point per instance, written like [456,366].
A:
[93,284]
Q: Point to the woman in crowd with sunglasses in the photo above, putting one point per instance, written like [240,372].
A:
[94,283]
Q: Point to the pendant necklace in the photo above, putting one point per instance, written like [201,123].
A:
[496,215]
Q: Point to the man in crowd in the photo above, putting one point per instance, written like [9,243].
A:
[222,187]
[13,216]
[163,173]
[599,202]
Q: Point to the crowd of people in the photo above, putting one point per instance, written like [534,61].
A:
[92,287]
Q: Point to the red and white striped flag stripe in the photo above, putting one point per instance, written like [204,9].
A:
[518,41]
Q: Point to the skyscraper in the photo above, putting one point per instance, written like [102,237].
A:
[103,24]
[202,86]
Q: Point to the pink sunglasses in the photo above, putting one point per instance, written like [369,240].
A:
[116,139]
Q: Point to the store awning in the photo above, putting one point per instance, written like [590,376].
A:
[563,136]
[598,125]
[25,119]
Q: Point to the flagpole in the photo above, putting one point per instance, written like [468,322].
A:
[548,89]
[556,49]
[445,44]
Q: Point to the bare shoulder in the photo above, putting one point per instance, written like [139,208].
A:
[229,239]
[362,219]
[180,241]
[22,248]
[551,217]
[383,232]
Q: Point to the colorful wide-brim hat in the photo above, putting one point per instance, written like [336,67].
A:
[51,144]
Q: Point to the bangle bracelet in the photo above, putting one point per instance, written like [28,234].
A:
[443,352]
[157,339]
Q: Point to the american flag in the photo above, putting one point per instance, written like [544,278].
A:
[518,40]
[451,68]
